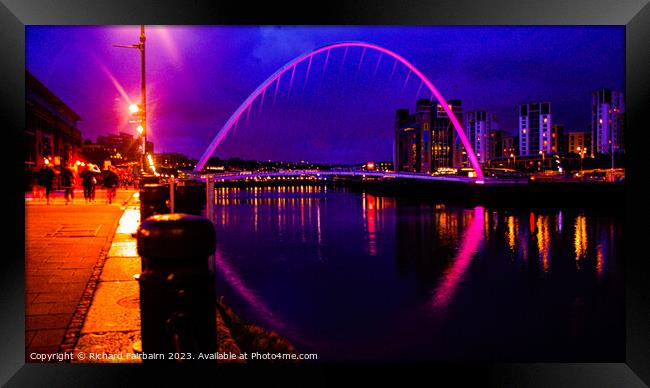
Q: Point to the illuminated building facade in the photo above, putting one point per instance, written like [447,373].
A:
[557,139]
[607,121]
[478,126]
[577,142]
[171,159]
[424,140]
[535,128]
[51,127]
[509,145]
[447,151]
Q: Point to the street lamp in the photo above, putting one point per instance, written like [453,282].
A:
[541,152]
[142,108]
[582,153]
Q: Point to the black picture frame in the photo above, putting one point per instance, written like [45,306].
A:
[633,371]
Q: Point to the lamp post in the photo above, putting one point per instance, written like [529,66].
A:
[582,153]
[142,108]
[541,152]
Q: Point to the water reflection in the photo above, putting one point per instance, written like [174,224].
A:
[543,241]
[454,274]
[337,271]
[512,232]
[580,239]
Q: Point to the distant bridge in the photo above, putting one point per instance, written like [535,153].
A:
[222,177]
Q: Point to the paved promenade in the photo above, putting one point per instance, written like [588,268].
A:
[63,246]
[81,294]
[112,324]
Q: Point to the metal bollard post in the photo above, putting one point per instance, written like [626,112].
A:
[209,198]
[153,200]
[190,198]
[177,297]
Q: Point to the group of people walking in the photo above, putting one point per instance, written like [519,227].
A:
[46,179]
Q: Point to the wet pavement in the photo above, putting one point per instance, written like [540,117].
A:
[112,325]
[64,247]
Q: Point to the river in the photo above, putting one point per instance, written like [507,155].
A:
[353,276]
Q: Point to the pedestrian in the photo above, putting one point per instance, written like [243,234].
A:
[47,175]
[67,182]
[111,181]
[38,189]
[93,185]
[87,177]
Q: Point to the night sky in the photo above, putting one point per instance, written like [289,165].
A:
[344,110]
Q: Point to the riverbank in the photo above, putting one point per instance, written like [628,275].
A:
[596,195]
[522,193]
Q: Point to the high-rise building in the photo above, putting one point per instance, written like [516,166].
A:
[407,145]
[478,126]
[534,128]
[557,138]
[424,140]
[446,150]
[607,119]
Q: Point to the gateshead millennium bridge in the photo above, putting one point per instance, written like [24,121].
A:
[291,65]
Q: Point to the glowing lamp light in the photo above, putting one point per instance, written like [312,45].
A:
[134,108]
[370,165]
[140,129]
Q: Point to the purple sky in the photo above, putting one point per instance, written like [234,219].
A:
[344,110]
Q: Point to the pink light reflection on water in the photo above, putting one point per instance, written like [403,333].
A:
[453,275]
[235,281]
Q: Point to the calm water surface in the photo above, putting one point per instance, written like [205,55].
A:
[355,276]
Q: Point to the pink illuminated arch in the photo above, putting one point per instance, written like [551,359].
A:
[262,88]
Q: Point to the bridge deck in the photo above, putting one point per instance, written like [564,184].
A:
[364,174]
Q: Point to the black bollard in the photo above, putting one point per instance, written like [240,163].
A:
[189,198]
[147,179]
[153,200]
[177,296]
